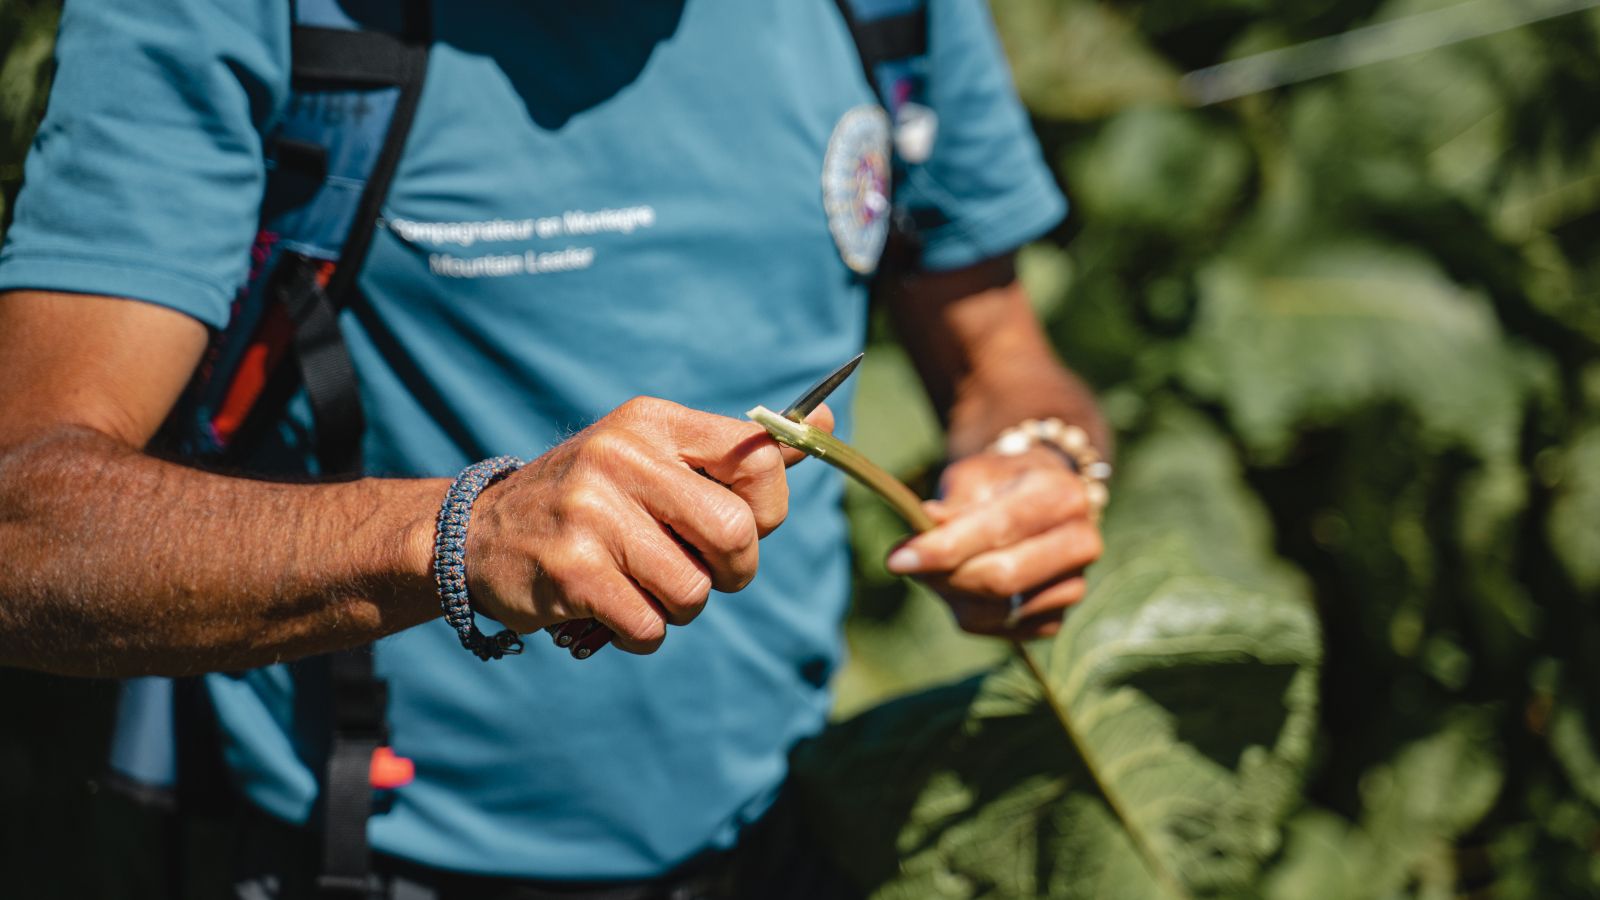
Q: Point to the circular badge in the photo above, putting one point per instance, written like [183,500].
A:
[855,185]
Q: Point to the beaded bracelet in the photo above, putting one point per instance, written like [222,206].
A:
[1072,443]
[449,557]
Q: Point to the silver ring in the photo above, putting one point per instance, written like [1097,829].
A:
[1015,615]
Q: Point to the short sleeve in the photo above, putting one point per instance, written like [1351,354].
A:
[146,177]
[985,189]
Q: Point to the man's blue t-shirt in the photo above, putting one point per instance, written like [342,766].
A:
[663,163]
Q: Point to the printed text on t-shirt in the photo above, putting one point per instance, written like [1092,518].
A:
[573,221]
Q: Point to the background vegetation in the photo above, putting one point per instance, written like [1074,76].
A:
[1347,331]
[1358,317]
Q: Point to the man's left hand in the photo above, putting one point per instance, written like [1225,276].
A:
[1009,526]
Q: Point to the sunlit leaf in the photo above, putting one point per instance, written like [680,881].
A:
[1190,671]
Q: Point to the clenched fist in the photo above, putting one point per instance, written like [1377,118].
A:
[633,522]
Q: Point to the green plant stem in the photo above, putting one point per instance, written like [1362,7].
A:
[813,441]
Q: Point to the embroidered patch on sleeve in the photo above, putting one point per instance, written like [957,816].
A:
[855,185]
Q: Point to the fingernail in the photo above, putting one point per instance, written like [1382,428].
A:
[903,560]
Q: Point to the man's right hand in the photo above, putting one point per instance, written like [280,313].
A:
[632,522]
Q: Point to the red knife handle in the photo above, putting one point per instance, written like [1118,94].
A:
[581,637]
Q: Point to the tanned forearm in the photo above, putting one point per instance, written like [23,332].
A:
[119,564]
[982,356]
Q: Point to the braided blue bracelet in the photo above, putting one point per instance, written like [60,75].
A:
[449,557]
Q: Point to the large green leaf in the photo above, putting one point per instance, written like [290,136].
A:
[939,795]
[1189,673]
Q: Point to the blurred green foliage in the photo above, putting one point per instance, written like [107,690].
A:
[1375,298]
[27,35]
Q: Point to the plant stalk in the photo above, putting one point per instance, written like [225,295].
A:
[813,441]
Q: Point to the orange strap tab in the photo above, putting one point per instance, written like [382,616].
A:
[390,771]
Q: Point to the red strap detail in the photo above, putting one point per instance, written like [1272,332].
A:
[260,360]
[389,771]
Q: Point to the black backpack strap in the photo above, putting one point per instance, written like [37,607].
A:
[359,59]
[359,701]
[323,362]
[881,40]
[312,292]
[410,58]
